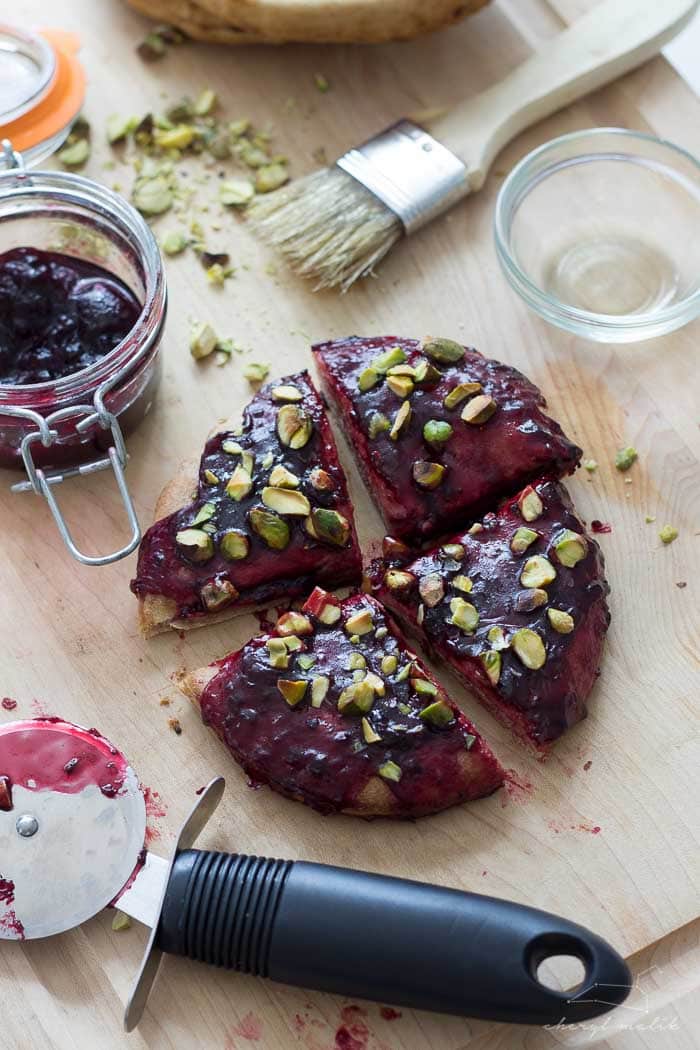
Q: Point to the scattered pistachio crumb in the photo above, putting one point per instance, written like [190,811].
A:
[649,518]
[625,457]
[120,922]
[668,534]
[216,275]
[322,83]
[174,242]
[590,465]
[203,340]
[256,372]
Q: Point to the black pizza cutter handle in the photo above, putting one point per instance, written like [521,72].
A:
[387,939]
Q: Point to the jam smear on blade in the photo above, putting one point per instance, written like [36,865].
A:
[331,700]
[58,315]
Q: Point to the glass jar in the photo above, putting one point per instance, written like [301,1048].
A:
[76,424]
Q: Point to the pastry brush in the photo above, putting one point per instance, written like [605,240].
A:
[335,225]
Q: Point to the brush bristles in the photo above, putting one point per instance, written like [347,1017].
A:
[328,226]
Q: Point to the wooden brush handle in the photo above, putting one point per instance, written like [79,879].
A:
[613,38]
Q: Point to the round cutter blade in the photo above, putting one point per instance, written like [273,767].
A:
[72,826]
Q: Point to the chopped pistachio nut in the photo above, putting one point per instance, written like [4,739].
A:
[118,128]
[444,351]
[74,154]
[426,374]
[367,379]
[402,386]
[356,662]
[492,665]
[571,548]
[401,421]
[497,638]
[453,550]
[378,424]
[293,691]
[561,621]
[210,477]
[402,370]
[356,698]
[306,661]
[388,359]
[390,771]
[270,528]
[281,478]
[247,461]
[286,501]
[625,457]
[404,672]
[537,572]
[178,137]
[174,242]
[436,432]
[428,475]
[376,682]
[152,194]
[398,580]
[195,544]
[218,593]
[286,392]
[232,448]
[530,504]
[216,275]
[294,426]
[438,713]
[205,512]
[235,193]
[370,735]
[321,83]
[329,614]
[293,643]
[462,583]
[380,633]
[278,653]
[319,689]
[256,371]
[204,103]
[529,648]
[293,623]
[389,664]
[360,622]
[522,539]
[530,599]
[234,545]
[239,484]
[432,589]
[649,518]
[270,177]
[329,525]
[458,393]
[203,340]
[668,534]
[355,639]
[423,687]
[479,409]
[321,480]
[475,528]
[420,615]
[464,615]
[590,465]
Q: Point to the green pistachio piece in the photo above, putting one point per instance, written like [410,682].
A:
[278,653]
[370,735]
[537,572]
[322,83]
[294,426]
[329,614]
[235,193]
[531,599]
[389,664]
[401,421]
[174,242]
[256,372]
[205,512]
[522,539]
[195,544]
[571,547]
[492,665]
[462,583]
[356,662]
[270,177]
[234,545]
[321,480]
[239,484]
[178,137]
[218,593]
[402,370]
[404,672]
[281,478]
[479,409]
[427,475]
[469,741]
[272,529]
[306,661]
[625,458]
[390,771]
[389,359]
[360,622]
[354,639]
[561,621]
[292,643]
[286,392]
[438,714]
[530,504]
[231,447]
[356,698]
[319,689]
[152,195]
[398,580]
[329,526]
[423,687]
[464,615]
[436,432]
[458,393]
[378,423]
[668,533]
[119,128]
[368,378]
[590,465]
[529,648]
[74,154]
[453,550]
[293,623]
[121,922]
[210,477]
[376,682]
[292,690]
[247,461]
[203,340]
[444,351]
[286,501]
[204,103]
[497,638]
[432,589]
[380,633]
[267,461]
[426,374]
[402,386]
[475,528]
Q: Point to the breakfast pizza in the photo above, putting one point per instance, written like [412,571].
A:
[265,516]
[331,709]
[440,432]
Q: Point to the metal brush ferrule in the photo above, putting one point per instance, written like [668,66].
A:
[410,172]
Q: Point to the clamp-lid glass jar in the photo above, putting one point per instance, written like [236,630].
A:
[75,424]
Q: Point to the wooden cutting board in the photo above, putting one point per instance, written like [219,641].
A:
[606,831]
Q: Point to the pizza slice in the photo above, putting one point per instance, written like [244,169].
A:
[515,605]
[264,517]
[440,432]
[330,709]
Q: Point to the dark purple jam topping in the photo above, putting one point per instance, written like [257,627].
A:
[58,315]
[320,753]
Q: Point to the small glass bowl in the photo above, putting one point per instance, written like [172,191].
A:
[598,232]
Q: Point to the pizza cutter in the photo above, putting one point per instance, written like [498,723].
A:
[72,830]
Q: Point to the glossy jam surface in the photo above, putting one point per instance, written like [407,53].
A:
[264,573]
[482,463]
[542,703]
[319,754]
[58,315]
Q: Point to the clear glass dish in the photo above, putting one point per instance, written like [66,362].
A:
[598,232]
